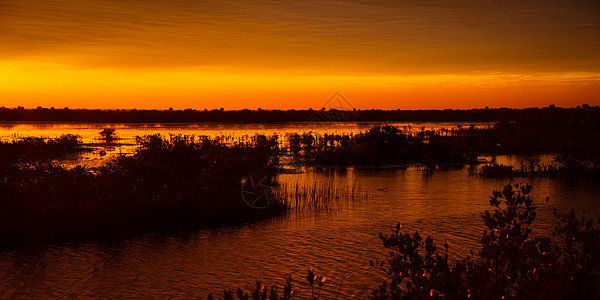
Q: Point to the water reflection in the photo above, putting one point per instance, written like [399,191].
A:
[338,243]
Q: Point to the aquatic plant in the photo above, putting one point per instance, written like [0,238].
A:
[315,280]
[319,195]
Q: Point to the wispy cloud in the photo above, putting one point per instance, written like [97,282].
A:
[314,37]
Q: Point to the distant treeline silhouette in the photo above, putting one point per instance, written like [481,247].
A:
[551,112]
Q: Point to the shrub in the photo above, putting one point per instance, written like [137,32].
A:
[511,264]
[28,148]
[168,184]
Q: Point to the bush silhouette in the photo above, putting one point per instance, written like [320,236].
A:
[511,264]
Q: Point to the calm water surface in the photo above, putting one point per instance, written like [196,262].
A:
[338,242]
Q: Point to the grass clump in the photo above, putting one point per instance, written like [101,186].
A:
[319,196]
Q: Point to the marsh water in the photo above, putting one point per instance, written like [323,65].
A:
[338,242]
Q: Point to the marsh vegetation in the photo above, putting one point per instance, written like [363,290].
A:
[185,182]
[181,183]
[169,183]
[573,147]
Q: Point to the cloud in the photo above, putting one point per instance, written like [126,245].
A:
[310,37]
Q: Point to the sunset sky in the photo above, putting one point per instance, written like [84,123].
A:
[296,54]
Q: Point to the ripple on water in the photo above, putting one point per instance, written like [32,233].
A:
[339,244]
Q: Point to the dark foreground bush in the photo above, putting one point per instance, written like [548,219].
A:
[168,184]
[511,264]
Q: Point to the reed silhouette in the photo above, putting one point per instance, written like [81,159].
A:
[320,196]
[260,292]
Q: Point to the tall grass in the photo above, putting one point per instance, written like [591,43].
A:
[320,195]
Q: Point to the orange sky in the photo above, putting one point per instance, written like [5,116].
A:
[276,54]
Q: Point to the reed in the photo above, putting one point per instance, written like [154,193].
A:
[320,195]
